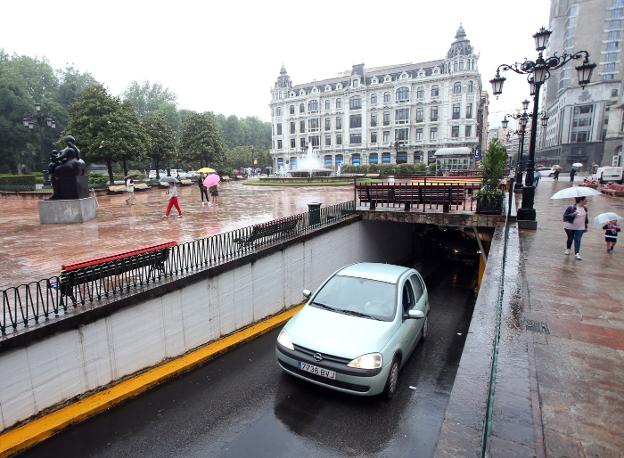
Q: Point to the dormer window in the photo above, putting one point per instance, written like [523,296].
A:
[302,92]
[355,82]
[387,79]
[327,88]
[404,75]
[436,70]
[315,90]
[374,80]
[421,73]
[338,86]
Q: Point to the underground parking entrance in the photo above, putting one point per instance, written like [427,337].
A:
[241,403]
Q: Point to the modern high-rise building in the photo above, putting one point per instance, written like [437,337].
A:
[584,125]
[402,113]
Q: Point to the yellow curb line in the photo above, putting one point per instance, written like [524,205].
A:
[33,432]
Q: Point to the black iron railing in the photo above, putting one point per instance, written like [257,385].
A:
[441,196]
[46,299]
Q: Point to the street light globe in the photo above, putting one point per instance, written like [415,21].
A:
[544,120]
[497,84]
[525,104]
[540,73]
[541,38]
[584,72]
[505,123]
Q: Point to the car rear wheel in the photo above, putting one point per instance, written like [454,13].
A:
[393,378]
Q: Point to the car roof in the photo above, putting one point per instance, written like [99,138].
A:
[387,273]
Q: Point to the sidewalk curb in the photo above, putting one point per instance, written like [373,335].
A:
[39,429]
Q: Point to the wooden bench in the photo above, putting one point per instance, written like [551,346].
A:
[409,195]
[116,189]
[260,231]
[141,186]
[77,273]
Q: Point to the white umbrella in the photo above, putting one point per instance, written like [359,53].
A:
[577,164]
[575,191]
[604,218]
[168,179]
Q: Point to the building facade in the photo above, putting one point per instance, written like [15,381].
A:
[584,125]
[386,115]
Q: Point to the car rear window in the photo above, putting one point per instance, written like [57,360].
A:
[370,297]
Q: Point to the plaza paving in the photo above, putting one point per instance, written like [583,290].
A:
[577,369]
[32,251]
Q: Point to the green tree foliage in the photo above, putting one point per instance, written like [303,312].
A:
[245,131]
[71,84]
[151,99]
[201,141]
[105,129]
[493,164]
[160,140]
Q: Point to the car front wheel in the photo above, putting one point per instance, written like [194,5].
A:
[425,329]
[393,378]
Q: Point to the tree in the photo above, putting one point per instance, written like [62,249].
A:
[160,140]
[493,164]
[150,99]
[105,130]
[201,140]
[71,84]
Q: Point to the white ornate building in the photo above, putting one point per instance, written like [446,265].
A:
[395,114]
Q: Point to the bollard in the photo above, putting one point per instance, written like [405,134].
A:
[314,213]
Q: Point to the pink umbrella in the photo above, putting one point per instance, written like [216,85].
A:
[211,180]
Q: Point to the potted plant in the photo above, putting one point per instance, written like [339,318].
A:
[490,197]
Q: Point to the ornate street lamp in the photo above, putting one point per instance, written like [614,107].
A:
[42,120]
[538,72]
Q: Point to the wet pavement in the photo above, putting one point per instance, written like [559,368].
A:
[577,367]
[241,404]
[31,251]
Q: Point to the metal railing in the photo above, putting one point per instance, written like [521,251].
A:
[437,196]
[42,300]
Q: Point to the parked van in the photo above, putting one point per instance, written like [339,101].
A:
[609,174]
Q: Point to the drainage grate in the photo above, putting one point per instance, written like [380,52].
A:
[537,326]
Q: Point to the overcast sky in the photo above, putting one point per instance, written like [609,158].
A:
[224,56]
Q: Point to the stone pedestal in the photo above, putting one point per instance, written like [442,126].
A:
[68,211]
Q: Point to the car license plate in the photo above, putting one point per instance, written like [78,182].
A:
[316,370]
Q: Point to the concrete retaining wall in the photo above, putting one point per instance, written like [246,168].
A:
[64,365]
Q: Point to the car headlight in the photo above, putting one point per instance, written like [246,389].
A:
[284,340]
[369,361]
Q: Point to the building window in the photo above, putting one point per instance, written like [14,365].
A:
[327,140]
[355,121]
[373,99]
[292,127]
[385,158]
[420,92]
[435,91]
[338,139]
[401,135]
[457,88]
[614,92]
[612,45]
[327,124]
[419,115]
[373,121]
[315,140]
[328,160]
[338,122]
[292,109]
[302,127]
[301,108]
[327,105]
[467,131]
[614,35]
[355,159]
[313,124]
[434,113]
[355,103]
[455,131]
[386,118]
[401,116]
[313,106]
[402,94]
[292,143]
[355,139]
[386,97]
[469,110]
[339,159]
[419,134]
[401,157]
[278,111]
[279,144]
[470,87]
[373,158]
[614,24]
[373,137]
[302,143]
[386,137]
[279,128]
[456,110]
[433,133]
[582,123]
[338,104]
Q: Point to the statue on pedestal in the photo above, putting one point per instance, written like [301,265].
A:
[68,172]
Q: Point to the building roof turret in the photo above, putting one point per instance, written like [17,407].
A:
[461,46]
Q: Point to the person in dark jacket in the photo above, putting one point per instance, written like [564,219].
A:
[556,174]
[572,173]
[611,234]
[576,219]
[202,189]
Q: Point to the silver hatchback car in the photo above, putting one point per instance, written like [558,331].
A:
[358,329]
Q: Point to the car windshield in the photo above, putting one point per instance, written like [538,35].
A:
[358,296]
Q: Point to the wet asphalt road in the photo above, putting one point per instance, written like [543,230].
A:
[242,405]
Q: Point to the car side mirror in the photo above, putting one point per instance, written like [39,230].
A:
[307,293]
[415,314]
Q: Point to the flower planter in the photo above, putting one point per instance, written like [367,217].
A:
[490,206]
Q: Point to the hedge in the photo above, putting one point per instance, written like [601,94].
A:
[18,182]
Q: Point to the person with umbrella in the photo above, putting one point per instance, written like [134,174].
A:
[172,193]
[211,182]
[575,220]
[130,188]
[609,223]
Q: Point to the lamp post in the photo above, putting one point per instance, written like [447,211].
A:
[538,72]
[42,120]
